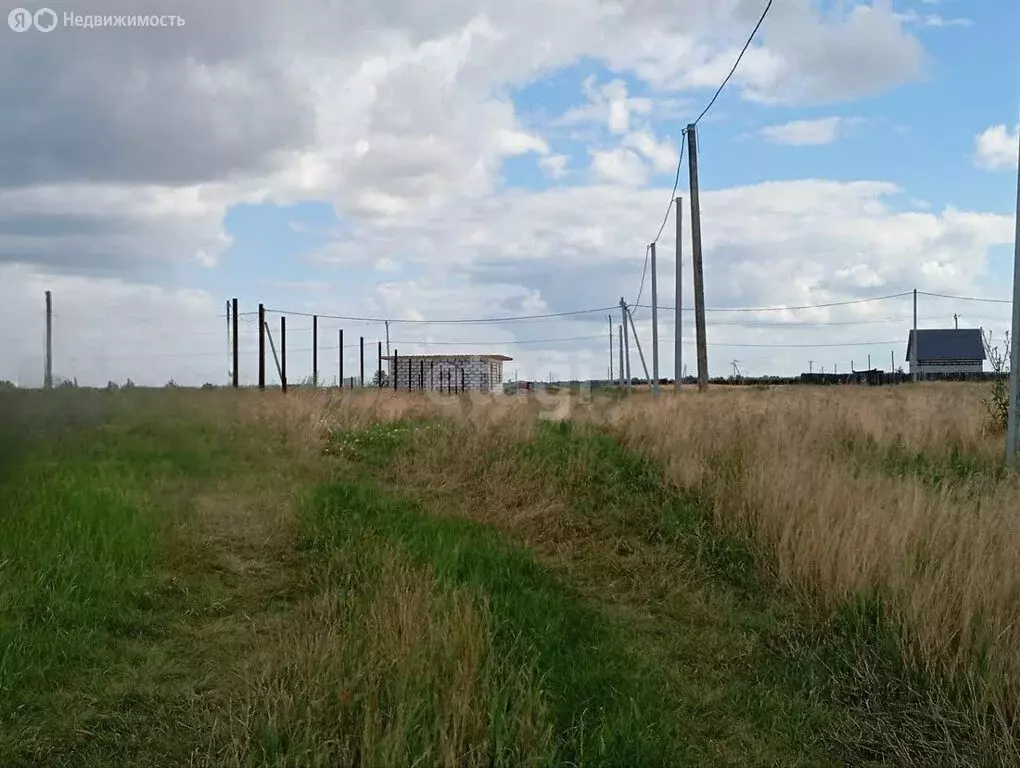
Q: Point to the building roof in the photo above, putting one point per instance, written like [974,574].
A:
[458,358]
[947,344]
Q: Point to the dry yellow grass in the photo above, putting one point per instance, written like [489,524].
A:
[891,493]
[815,478]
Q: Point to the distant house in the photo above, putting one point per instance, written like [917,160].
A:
[447,373]
[943,351]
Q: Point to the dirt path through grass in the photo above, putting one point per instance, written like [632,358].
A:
[216,585]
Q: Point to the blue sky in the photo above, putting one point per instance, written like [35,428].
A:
[478,164]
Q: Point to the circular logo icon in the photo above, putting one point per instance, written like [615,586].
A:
[45,20]
[19,20]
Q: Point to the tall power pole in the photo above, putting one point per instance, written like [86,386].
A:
[621,357]
[48,371]
[262,347]
[610,319]
[913,347]
[387,338]
[699,275]
[315,350]
[1013,418]
[655,328]
[678,324]
[626,342]
[235,378]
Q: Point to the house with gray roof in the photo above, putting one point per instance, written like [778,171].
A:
[947,351]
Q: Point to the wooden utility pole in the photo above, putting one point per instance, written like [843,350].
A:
[678,324]
[48,368]
[1013,412]
[361,341]
[699,275]
[262,347]
[655,327]
[236,376]
[340,350]
[379,365]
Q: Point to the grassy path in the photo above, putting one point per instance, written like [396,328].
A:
[190,586]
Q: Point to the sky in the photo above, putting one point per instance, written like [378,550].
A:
[439,164]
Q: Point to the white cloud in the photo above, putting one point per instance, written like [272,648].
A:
[996,148]
[554,166]
[662,155]
[933,19]
[619,166]
[806,132]
[397,113]
[520,143]
[522,252]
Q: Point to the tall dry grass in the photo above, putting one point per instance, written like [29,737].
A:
[892,494]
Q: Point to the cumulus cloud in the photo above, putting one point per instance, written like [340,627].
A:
[554,166]
[121,151]
[662,155]
[816,132]
[619,166]
[995,148]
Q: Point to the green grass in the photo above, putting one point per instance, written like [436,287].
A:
[605,701]
[179,585]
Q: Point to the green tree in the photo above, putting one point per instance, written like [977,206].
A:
[381,379]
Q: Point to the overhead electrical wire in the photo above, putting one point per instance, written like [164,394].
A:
[965,298]
[794,308]
[683,141]
[478,321]
[736,64]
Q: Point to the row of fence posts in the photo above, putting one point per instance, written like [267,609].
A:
[452,385]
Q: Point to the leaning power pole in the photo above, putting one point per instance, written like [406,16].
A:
[678,324]
[655,328]
[637,343]
[48,371]
[1013,418]
[699,275]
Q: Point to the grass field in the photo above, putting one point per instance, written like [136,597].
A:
[790,576]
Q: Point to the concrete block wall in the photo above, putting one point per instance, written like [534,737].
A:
[443,374]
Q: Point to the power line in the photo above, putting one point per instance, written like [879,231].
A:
[496,343]
[479,321]
[676,184]
[797,308]
[683,145]
[736,64]
[964,298]
[806,346]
